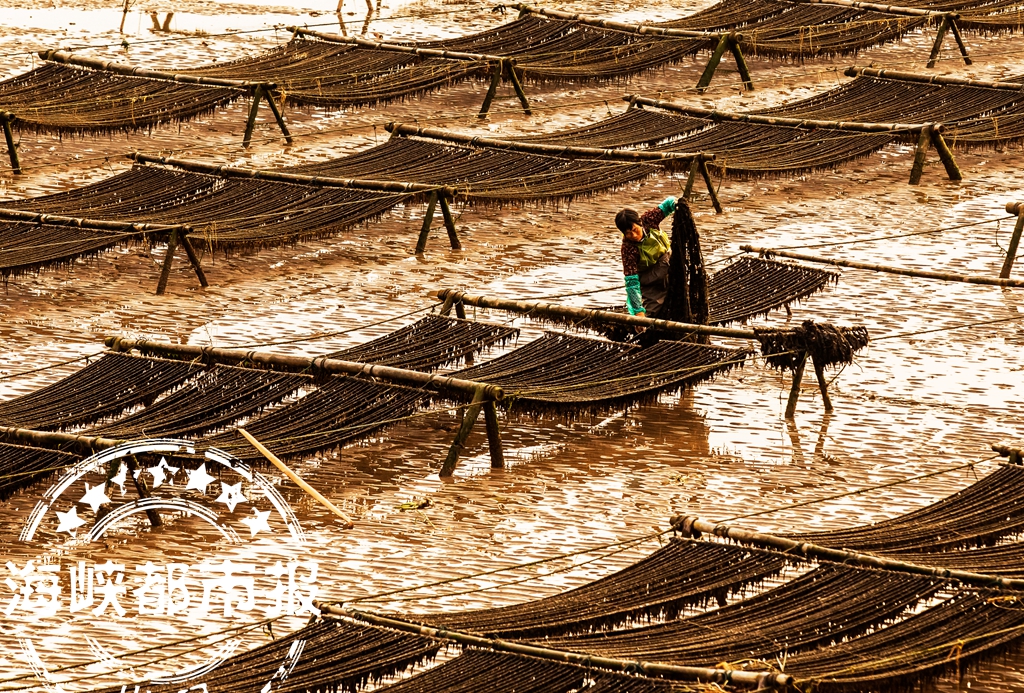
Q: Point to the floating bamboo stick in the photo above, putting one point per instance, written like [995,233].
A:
[295,478]
[556,310]
[944,276]
[301,364]
[133,71]
[556,150]
[298,179]
[762,680]
[693,526]
[931,79]
[643,29]
[802,123]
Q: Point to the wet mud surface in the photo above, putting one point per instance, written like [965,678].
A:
[922,398]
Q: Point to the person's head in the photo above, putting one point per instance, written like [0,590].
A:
[628,222]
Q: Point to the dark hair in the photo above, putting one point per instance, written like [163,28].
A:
[625,219]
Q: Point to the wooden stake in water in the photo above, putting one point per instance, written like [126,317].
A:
[295,477]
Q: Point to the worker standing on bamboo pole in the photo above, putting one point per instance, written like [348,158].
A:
[646,253]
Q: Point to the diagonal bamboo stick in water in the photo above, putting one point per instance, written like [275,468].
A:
[297,479]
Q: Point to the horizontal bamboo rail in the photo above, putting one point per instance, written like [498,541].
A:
[643,29]
[878,7]
[931,79]
[762,680]
[287,363]
[555,310]
[693,526]
[397,47]
[295,178]
[1015,455]
[555,150]
[7,214]
[759,119]
[943,276]
[54,440]
[133,71]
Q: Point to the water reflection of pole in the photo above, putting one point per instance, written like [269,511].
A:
[819,448]
[794,441]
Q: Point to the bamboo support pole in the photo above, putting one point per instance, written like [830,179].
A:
[555,150]
[428,218]
[943,276]
[165,271]
[12,147]
[794,390]
[642,29]
[1014,455]
[493,436]
[492,90]
[741,64]
[759,119]
[1011,250]
[143,490]
[761,680]
[702,166]
[460,310]
[446,307]
[449,223]
[712,66]
[931,79]
[132,71]
[554,310]
[193,259]
[55,440]
[694,526]
[296,479]
[945,155]
[250,121]
[819,373]
[292,364]
[278,116]
[937,45]
[955,30]
[517,85]
[472,413]
[920,152]
[295,178]
[690,178]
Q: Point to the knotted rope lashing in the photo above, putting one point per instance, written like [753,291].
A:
[826,344]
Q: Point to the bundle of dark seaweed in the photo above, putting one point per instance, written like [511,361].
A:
[826,344]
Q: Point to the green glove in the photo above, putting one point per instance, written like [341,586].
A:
[668,206]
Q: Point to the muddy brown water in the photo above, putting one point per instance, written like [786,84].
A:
[913,403]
